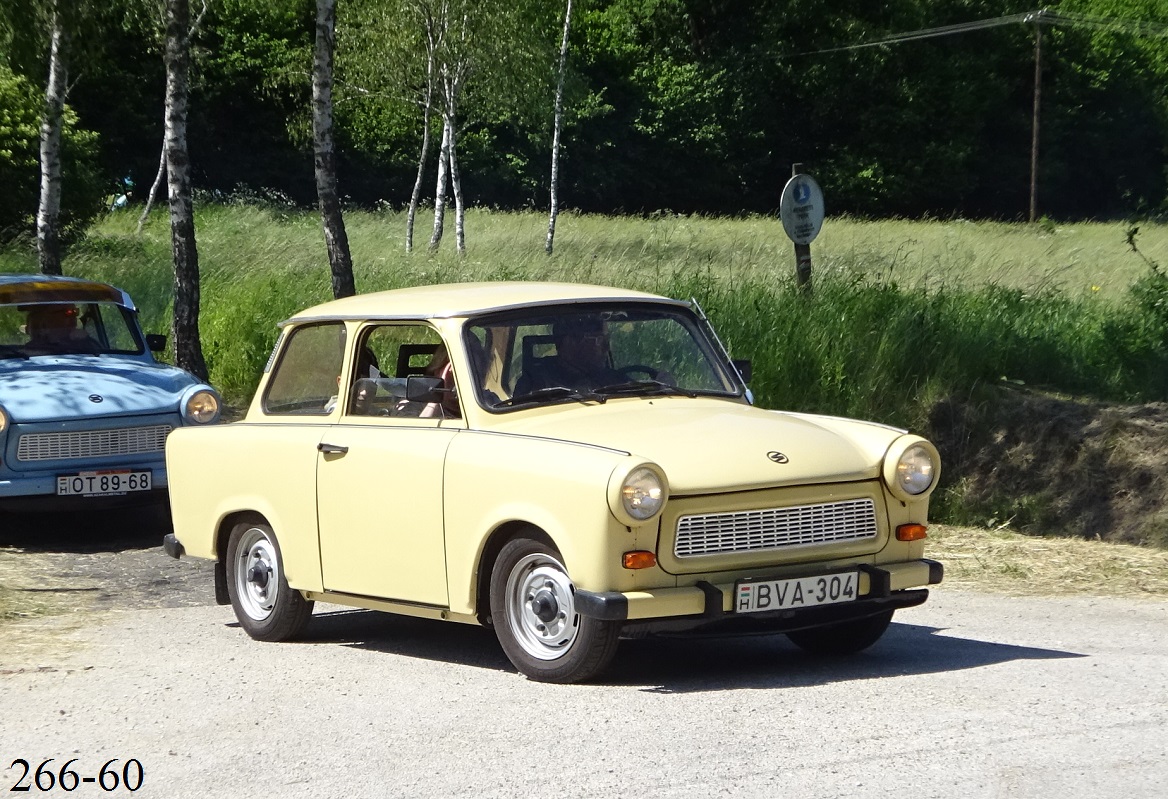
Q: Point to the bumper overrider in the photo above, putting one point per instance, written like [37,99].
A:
[706,606]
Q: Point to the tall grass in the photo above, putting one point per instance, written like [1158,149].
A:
[902,313]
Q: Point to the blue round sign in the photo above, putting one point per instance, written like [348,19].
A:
[801,209]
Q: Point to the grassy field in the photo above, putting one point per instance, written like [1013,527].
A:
[902,307]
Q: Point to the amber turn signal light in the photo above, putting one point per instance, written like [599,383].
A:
[638,559]
[911,532]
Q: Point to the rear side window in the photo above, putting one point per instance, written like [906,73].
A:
[304,380]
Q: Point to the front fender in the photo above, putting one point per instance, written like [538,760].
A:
[492,481]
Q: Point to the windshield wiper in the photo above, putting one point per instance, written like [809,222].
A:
[644,387]
[9,351]
[551,392]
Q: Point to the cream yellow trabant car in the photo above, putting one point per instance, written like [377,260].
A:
[566,464]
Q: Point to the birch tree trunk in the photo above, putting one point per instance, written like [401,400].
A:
[559,114]
[456,185]
[49,208]
[187,349]
[426,110]
[154,187]
[335,238]
[440,188]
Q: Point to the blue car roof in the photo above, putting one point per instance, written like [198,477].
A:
[33,289]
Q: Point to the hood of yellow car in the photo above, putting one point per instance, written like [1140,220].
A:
[714,445]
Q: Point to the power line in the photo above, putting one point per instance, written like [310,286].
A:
[1040,17]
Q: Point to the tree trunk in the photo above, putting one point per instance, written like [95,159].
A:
[417,193]
[187,349]
[154,187]
[456,181]
[49,209]
[335,238]
[440,188]
[555,184]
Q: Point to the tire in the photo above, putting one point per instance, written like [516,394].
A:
[533,612]
[845,638]
[267,609]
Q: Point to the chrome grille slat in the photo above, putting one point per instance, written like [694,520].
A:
[92,443]
[775,528]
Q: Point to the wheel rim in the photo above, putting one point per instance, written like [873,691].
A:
[541,607]
[257,574]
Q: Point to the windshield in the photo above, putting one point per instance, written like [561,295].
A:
[65,328]
[593,353]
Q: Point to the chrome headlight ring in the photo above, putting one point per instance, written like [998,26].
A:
[637,493]
[912,466]
[200,405]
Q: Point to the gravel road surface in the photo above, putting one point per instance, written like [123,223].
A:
[970,695]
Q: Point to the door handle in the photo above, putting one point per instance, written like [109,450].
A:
[331,449]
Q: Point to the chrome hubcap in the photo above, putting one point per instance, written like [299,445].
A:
[541,608]
[257,574]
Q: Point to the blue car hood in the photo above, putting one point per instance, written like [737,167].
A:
[47,388]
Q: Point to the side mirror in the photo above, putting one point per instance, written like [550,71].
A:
[421,388]
[156,342]
[744,369]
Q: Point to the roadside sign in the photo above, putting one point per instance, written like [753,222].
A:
[801,209]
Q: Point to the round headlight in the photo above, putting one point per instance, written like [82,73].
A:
[914,470]
[642,493]
[3,419]
[202,407]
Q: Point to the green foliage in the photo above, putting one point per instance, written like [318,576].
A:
[20,119]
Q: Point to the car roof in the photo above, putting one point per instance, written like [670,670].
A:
[465,299]
[36,289]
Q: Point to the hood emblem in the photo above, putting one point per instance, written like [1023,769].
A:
[96,398]
[777,457]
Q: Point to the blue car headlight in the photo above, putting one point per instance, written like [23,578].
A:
[200,405]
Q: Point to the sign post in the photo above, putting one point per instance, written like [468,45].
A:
[801,211]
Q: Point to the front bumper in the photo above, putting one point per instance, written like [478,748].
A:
[886,587]
[43,482]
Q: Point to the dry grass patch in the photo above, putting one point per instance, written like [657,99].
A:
[1005,562]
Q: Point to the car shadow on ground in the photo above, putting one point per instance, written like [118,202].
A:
[105,530]
[686,664]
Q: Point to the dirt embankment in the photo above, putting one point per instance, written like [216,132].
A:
[1050,465]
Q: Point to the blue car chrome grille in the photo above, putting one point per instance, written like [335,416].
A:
[775,528]
[92,443]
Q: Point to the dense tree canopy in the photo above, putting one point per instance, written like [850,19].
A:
[688,105]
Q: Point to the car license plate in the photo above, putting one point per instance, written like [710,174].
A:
[104,483]
[756,596]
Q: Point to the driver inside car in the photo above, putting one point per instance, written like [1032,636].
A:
[52,328]
[582,361]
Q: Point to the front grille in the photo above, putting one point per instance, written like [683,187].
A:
[775,528]
[92,443]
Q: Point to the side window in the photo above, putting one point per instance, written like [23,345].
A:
[305,377]
[388,355]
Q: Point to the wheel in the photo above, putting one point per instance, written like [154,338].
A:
[533,610]
[267,609]
[845,638]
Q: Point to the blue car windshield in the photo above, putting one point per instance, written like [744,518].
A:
[64,328]
[594,353]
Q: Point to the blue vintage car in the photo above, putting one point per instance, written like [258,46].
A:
[84,407]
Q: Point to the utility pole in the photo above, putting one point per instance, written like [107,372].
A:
[1036,18]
